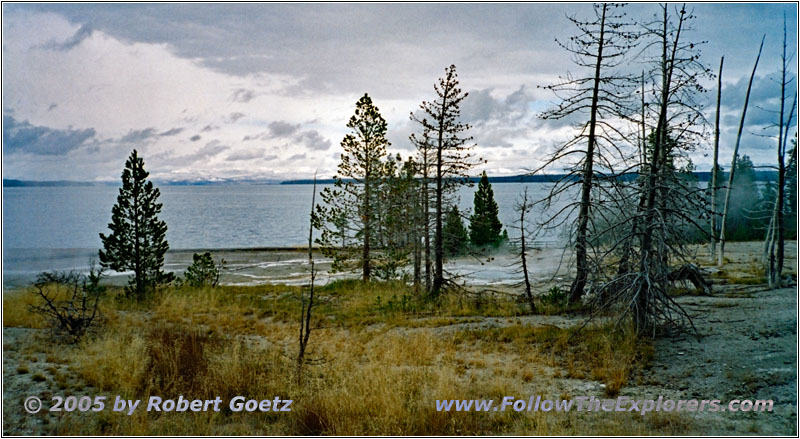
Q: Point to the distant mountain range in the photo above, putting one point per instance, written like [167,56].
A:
[548,178]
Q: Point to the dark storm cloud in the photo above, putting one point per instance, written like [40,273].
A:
[22,137]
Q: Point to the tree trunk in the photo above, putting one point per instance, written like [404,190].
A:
[365,269]
[721,255]
[438,276]
[579,284]
[523,256]
[714,167]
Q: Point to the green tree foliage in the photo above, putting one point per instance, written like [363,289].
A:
[203,271]
[455,234]
[137,241]
[484,226]
[349,214]
[791,193]
[397,213]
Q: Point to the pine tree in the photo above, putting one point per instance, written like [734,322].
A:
[484,225]
[450,158]
[455,234]
[351,209]
[203,271]
[138,238]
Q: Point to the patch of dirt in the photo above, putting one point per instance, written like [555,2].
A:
[747,350]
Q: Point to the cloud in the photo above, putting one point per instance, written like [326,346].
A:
[205,153]
[171,132]
[22,137]
[136,71]
[77,38]
[498,121]
[281,128]
[233,117]
[245,155]
[135,136]
[313,140]
[243,95]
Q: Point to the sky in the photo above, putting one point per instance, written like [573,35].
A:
[264,91]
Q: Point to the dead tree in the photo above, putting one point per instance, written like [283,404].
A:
[776,253]
[721,256]
[602,98]
[307,306]
[68,302]
[652,230]
[523,207]
[715,167]
[452,157]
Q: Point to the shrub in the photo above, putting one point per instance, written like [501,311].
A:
[555,297]
[203,271]
[68,301]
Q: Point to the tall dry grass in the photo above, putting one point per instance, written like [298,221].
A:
[373,372]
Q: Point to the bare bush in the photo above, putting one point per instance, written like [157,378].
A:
[68,301]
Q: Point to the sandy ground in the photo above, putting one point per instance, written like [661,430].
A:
[747,349]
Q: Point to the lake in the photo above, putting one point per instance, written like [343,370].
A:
[48,228]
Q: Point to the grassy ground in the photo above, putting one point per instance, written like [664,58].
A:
[380,358]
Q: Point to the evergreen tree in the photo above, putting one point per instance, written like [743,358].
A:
[351,210]
[138,238]
[455,234]
[203,271]
[450,158]
[484,226]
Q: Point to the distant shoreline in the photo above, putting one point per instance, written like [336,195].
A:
[523,178]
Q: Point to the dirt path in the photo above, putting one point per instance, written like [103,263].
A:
[747,350]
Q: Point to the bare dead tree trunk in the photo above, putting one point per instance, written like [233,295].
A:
[306,308]
[714,166]
[775,269]
[721,255]
[523,249]
[579,284]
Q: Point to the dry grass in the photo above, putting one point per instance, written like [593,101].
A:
[16,310]
[379,365]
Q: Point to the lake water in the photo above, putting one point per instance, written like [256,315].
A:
[48,228]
